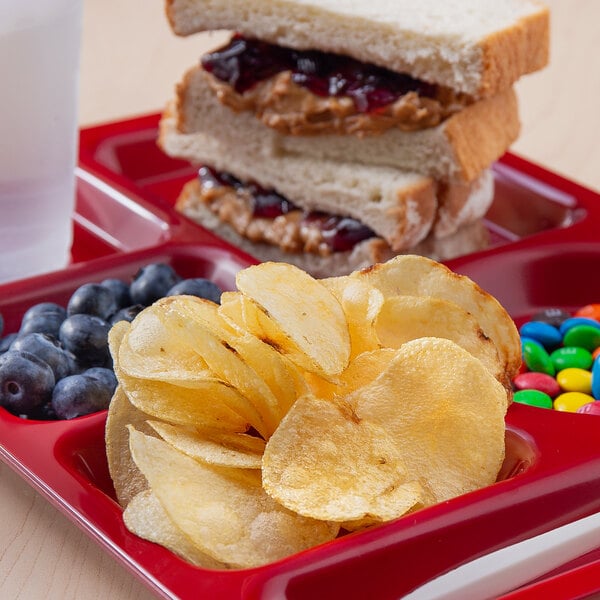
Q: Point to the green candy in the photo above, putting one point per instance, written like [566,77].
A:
[571,357]
[533,398]
[537,359]
[584,336]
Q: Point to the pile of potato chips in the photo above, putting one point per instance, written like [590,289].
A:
[299,409]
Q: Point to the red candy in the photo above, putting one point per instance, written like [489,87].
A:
[532,380]
[591,408]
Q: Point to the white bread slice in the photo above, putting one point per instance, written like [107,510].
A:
[460,148]
[399,206]
[466,239]
[474,46]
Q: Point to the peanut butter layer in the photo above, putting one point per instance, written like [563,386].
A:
[292,109]
[288,231]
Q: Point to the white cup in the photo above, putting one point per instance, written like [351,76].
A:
[40,44]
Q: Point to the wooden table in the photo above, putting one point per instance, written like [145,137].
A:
[130,63]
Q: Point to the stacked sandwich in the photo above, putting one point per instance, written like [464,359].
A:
[333,134]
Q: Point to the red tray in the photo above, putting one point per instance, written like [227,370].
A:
[543,252]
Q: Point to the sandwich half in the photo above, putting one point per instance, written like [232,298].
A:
[458,149]
[329,217]
[475,47]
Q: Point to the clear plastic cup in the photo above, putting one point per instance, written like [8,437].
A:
[40,44]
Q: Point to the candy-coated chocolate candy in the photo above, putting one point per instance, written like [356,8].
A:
[536,358]
[537,381]
[591,408]
[575,380]
[552,316]
[595,353]
[596,379]
[571,401]
[589,310]
[533,398]
[529,340]
[548,335]
[571,356]
[574,321]
[585,336]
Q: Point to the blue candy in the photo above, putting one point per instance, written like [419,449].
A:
[546,334]
[596,379]
[575,321]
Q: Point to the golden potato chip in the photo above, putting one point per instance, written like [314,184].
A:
[212,405]
[158,347]
[307,314]
[115,337]
[215,448]
[326,463]
[435,414]
[146,518]
[362,370]
[126,477]
[445,412]
[412,275]
[361,303]
[404,318]
[237,359]
[224,512]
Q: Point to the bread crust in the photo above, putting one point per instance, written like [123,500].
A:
[482,132]
[479,63]
[522,49]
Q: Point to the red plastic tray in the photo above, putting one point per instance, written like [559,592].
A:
[544,252]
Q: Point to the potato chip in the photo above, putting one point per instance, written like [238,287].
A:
[413,275]
[326,463]
[435,415]
[157,347]
[214,448]
[126,477]
[212,405]
[445,412]
[307,314]
[236,358]
[224,512]
[146,518]
[362,370]
[405,318]
[361,303]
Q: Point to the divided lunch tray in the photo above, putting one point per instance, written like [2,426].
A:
[544,251]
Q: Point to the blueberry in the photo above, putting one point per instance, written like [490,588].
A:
[120,291]
[44,308]
[105,376]
[6,342]
[152,282]
[79,395]
[49,349]
[86,336]
[126,314]
[200,287]
[43,318]
[26,382]
[92,299]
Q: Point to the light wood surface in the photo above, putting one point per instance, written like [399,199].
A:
[130,63]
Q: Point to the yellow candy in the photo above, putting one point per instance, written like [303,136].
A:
[575,380]
[571,401]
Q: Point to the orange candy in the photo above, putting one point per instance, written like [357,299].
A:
[591,311]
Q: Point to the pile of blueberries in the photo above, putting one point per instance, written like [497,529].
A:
[58,365]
